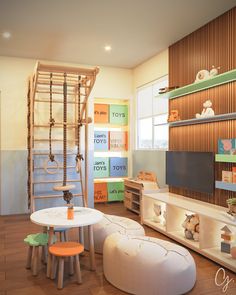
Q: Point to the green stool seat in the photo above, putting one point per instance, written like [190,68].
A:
[39,239]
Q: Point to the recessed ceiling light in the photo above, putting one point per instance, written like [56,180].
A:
[6,35]
[107,48]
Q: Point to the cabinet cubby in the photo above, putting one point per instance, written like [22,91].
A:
[212,219]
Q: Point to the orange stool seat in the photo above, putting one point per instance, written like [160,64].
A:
[59,251]
[65,249]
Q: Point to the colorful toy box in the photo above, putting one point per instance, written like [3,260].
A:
[101,167]
[227,146]
[118,167]
[101,140]
[100,192]
[101,113]
[115,191]
[118,141]
[119,114]
[227,176]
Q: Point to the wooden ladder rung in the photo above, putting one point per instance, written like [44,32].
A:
[55,181]
[55,196]
[56,83]
[56,154]
[55,167]
[54,92]
[56,101]
[55,126]
[55,140]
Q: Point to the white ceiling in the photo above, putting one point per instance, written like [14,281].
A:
[77,30]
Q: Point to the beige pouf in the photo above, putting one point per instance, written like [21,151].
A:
[111,224]
[145,265]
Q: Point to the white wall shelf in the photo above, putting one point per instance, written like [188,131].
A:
[229,186]
[212,219]
[220,79]
[225,158]
[216,118]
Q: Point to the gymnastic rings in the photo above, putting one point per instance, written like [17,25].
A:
[49,168]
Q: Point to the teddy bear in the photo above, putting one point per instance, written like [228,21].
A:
[174,116]
[207,110]
[191,226]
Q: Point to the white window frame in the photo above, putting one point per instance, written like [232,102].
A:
[153,115]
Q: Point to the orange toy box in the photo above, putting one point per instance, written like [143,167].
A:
[101,113]
[100,192]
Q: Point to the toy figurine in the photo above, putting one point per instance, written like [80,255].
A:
[207,110]
[227,239]
[157,210]
[174,116]
[191,226]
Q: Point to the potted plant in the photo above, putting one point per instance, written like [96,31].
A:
[232,205]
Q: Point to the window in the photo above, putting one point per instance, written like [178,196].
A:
[152,114]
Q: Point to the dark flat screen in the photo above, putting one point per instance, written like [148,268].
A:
[191,170]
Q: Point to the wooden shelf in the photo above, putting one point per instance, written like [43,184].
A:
[212,219]
[202,85]
[216,118]
[218,256]
[226,186]
[155,225]
[179,236]
[134,210]
[136,202]
[225,158]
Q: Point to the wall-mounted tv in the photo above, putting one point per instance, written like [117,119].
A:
[190,170]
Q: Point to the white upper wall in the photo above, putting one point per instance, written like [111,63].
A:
[14,72]
[151,70]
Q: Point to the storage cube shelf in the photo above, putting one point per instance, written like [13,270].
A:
[212,219]
[134,191]
[111,142]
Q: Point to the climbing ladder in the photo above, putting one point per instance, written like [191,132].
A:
[57,114]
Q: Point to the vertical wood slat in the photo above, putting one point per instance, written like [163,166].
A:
[212,44]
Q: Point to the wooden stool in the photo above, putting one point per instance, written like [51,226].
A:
[61,250]
[35,241]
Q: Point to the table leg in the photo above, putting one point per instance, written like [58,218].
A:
[50,241]
[91,248]
[81,235]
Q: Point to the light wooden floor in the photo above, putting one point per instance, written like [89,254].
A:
[16,280]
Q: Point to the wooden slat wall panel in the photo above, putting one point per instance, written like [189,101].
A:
[213,44]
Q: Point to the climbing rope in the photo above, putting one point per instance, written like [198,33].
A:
[79,156]
[64,129]
[67,195]
[51,157]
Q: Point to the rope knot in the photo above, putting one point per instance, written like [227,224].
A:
[52,122]
[51,157]
[79,157]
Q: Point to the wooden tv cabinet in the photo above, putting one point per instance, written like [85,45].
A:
[212,219]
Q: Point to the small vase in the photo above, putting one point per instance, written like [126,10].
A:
[70,213]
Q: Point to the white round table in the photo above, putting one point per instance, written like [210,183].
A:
[57,217]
